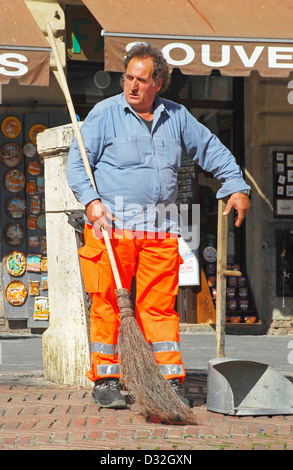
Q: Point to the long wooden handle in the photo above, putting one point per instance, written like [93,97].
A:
[66,92]
[221,279]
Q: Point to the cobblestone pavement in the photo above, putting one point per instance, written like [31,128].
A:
[45,416]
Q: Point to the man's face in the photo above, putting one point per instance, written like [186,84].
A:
[139,87]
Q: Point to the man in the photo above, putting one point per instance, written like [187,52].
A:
[134,143]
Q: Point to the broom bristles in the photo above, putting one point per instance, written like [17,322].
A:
[141,375]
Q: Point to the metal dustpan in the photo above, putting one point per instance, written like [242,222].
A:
[237,387]
[240,387]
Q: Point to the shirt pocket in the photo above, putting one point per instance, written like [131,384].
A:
[123,153]
[169,152]
[90,267]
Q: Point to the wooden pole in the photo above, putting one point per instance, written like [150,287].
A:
[222,272]
[221,279]
[81,145]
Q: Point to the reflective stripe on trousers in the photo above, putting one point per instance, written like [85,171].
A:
[162,346]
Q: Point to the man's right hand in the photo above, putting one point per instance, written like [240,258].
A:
[98,215]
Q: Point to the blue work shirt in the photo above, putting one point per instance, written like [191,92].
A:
[135,170]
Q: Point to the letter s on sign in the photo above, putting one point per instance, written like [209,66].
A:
[290,96]
[21,69]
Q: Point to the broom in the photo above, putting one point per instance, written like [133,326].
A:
[140,374]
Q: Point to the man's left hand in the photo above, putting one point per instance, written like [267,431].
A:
[240,203]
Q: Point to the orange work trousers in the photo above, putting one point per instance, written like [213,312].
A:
[154,262]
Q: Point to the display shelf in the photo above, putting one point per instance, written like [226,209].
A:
[240,305]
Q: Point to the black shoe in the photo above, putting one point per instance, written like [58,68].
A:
[106,394]
[176,387]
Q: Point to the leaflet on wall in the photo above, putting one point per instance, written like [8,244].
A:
[189,274]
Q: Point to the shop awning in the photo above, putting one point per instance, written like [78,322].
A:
[198,36]
[24,50]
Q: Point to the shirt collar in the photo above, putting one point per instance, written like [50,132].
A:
[159,106]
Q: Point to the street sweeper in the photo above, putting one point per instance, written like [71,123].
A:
[134,143]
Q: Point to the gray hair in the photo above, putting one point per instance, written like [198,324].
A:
[143,50]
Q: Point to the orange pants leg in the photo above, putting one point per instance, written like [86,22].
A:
[104,315]
[156,289]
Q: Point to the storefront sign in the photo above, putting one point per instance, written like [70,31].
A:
[30,67]
[24,49]
[218,56]
[196,57]
[13,65]
[84,39]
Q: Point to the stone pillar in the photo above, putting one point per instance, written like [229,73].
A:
[66,350]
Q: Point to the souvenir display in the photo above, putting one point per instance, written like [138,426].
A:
[231,292]
[16,207]
[34,131]
[31,187]
[44,282]
[33,168]
[210,254]
[250,319]
[29,150]
[44,245]
[14,181]
[15,263]
[41,222]
[14,234]
[24,222]
[33,263]
[32,222]
[35,204]
[243,304]
[34,288]
[11,127]
[44,266]
[11,154]
[283,183]
[243,292]
[40,184]
[33,242]
[16,293]
[41,311]
[239,301]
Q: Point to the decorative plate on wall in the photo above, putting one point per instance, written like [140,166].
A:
[14,181]
[15,263]
[34,168]
[16,207]
[14,234]
[34,130]
[11,127]
[16,293]
[11,154]
[29,150]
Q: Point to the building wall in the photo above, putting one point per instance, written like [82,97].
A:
[268,128]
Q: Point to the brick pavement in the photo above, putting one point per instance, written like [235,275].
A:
[45,416]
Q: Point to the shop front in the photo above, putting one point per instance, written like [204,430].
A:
[218,54]
[28,105]
[231,66]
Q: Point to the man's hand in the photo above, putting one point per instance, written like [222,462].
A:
[98,215]
[240,203]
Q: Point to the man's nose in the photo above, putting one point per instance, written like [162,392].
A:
[134,83]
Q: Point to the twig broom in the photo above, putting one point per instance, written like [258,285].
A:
[140,374]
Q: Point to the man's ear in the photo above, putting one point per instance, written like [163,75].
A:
[159,84]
